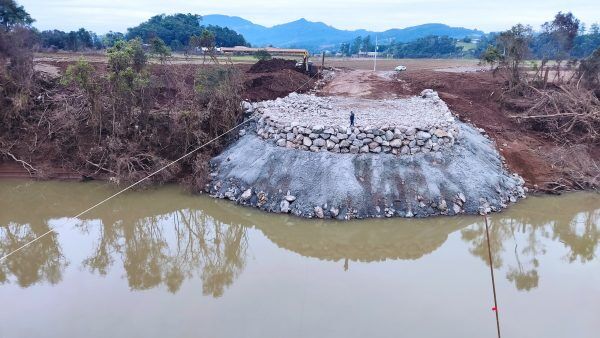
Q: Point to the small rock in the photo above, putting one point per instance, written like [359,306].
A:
[319,142]
[389,135]
[334,211]
[396,143]
[319,212]
[284,206]
[457,209]
[246,195]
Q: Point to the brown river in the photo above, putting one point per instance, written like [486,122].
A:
[163,263]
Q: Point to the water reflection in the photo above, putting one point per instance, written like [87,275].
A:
[200,244]
[573,220]
[36,263]
[164,237]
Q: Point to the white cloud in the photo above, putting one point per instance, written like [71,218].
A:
[104,15]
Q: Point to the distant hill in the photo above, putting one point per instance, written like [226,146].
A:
[317,36]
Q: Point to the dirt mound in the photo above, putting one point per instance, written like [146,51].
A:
[271,66]
[271,85]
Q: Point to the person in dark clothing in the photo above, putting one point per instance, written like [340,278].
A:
[351,119]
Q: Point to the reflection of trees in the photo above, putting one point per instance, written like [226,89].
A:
[40,261]
[582,246]
[150,258]
[578,230]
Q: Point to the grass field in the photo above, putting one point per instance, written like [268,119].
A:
[390,64]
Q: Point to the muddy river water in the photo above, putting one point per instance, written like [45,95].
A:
[163,263]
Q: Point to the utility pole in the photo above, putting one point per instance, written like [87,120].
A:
[375,60]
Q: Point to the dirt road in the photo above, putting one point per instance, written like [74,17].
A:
[365,84]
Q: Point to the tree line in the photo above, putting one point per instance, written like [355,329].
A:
[564,37]
[179,32]
[432,46]
[564,32]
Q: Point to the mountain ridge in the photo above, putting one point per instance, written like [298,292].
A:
[316,36]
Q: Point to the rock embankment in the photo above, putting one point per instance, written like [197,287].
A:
[468,177]
[401,126]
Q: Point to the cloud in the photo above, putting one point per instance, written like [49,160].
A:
[104,15]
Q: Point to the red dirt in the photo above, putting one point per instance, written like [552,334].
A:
[474,97]
[271,66]
[268,80]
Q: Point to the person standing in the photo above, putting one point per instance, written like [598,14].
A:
[351,118]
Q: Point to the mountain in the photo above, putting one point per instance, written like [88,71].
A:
[317,36]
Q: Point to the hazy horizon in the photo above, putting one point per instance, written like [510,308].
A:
[102,16]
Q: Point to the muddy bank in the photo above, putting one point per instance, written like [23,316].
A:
[467,178]
[74,131]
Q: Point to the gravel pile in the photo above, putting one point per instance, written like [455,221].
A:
[425,112]
[286,123]
[467,178]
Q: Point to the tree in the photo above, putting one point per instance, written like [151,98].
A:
[74,40]
[12,15]
[491,56]
[426,47]
[168,28]
[225,37]
[207,43]
[515,48]
[109,39]
[356,45]
[585,44]
[558,37]
[345,49]
[563,30]
[159,49]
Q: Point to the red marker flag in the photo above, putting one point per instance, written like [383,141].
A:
[494,309]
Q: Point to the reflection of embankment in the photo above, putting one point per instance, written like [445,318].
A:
[380,241]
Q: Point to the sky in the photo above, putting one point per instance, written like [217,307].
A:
[102,16]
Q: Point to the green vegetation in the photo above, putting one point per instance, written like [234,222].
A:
[563,38]
[159,49]
[176,31]
[73,41]
[13,15]
[466,46]
[263,55]
[427,47]
[432,46]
